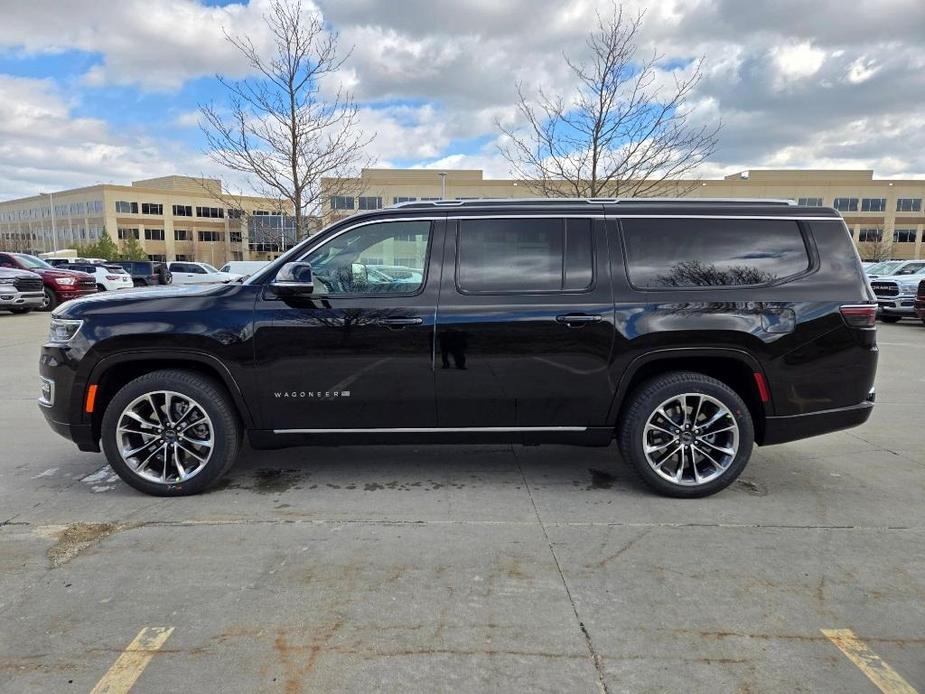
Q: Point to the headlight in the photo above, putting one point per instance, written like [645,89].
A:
[908,287]
[62,330]
[7,280]
[66,281]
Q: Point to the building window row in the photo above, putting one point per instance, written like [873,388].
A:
[904,236]
[128,233]
[810,202]
[181,235]
[154,234]
[210,236]
[870,235]
[370,203]
[210,212]
[908,204]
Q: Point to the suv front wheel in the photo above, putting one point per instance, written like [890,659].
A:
[171,433]
[687,434]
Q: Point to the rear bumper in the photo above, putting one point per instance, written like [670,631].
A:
[802,426]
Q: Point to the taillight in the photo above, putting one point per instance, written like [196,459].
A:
[860,315]
[112,277]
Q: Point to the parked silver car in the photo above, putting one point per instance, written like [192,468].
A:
[20,290]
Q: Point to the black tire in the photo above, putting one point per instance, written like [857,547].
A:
[51,300]
[214,400]
[21,310]
[891,319]
[642,404]
[100,288]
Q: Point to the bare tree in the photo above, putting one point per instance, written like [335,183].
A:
[877,246]
[281,130]
[626,133]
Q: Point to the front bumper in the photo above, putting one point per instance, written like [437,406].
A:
[17,299]
[902,305]
[802,426]
[61,398]
[68,294]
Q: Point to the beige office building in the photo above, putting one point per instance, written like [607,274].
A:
[173,218]
[886,216]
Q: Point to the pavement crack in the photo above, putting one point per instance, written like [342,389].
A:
[592,652]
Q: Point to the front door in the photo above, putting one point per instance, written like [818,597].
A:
[525,324]
[358,354]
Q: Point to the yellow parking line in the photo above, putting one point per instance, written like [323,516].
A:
[134,659]
[882,675]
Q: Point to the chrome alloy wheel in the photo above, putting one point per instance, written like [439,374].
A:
[690,439]
[165,437]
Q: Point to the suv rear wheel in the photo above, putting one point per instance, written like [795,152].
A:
[687,434]
[171,433]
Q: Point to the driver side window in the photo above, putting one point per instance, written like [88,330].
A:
[381,258]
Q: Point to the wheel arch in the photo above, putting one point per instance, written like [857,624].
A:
[735,368]
[114,371]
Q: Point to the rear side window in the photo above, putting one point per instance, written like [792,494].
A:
[664,253]
[524,255]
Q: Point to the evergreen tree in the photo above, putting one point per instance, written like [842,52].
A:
[132,250]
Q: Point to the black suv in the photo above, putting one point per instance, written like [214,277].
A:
[146,272]
[686,330]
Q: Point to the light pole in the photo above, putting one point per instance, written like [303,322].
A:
[54,231]
[442,175]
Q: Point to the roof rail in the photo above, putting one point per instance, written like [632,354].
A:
[593,201]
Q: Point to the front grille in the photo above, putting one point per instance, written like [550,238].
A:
[88,283]
[28,284]
[885,288]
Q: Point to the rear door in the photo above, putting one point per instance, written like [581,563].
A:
[524,323]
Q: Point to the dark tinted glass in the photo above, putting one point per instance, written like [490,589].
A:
[577,254]
[523,255]
[712,252]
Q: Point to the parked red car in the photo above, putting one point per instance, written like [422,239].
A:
[60,285]
[920,301]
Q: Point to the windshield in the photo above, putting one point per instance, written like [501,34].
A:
[882,268]
[30,261]
[208,267]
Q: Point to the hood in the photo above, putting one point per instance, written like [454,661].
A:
[56,272]
[14,272]
[137,296]
[915,277]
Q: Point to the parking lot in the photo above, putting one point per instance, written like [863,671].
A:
[478,568]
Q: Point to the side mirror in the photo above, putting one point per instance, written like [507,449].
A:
[293,279]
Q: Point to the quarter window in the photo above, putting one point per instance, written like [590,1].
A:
[524,255]
[846,204]
[663,253]
[384,258]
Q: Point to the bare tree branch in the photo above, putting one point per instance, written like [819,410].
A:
[625,134]
[278,128]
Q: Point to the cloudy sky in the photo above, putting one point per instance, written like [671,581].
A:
[107,90]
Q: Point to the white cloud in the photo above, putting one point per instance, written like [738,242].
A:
[797,61]
[44,147]
[156,45]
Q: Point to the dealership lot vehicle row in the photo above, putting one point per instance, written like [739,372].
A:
[495,568]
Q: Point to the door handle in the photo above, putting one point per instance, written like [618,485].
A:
[399,322]
[579,319]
